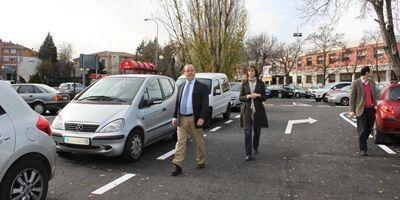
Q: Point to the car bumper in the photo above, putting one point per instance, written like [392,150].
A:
[108,144]
[391,127]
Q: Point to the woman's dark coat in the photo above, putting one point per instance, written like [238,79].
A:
[260,116]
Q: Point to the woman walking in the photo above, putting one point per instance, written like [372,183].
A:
[252,112]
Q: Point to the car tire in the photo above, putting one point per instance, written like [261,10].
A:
[323,98]
[344,101]
[227,114]
[31,168]
[133,148]
[378,137]
[298,95]
[317,99]
[280,95]
[39,108]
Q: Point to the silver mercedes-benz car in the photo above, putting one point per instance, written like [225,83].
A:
[117,115]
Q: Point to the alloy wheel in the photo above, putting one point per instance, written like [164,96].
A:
[28,184]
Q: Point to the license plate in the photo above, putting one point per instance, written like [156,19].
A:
[76,140]
[65,98]
[290,93]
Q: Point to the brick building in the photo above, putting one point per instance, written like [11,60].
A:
[344,64]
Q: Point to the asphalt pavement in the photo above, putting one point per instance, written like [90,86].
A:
[313,161]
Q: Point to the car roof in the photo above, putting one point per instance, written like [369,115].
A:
[136,76]
[207,75]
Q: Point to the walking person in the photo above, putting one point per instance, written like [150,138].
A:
[190,112]
[362,105]
[252,112]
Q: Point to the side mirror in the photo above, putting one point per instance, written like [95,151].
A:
[217,92]
[151,102]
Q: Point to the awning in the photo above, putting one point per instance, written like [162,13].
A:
[136,66]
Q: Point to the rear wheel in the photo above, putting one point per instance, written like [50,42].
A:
[227,114]
[324,98]
[280,95]
[297,95]
[27,179]
[378,137]
[344,101]
[317,99]
[133,147]
[39,108]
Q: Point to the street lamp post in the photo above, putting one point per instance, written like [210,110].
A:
[298,36]
[156,57]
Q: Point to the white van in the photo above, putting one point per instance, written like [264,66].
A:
[219,94]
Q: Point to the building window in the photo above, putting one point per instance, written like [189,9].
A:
[6,51]
[345,77]
[298,79]
[13,59]
[13,51]
[6,58]
[308,79]
[379,53]
[309,61]
[320,60]
[332,58]
[361,55]
[346,55]
[320,79]
[331,78]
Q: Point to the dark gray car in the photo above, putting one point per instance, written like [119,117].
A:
[42,97]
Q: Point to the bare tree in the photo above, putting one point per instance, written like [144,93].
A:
[383,9]
[65,64]
[287,57]
[261,47]
[208,33]
[375,37]
[324,40]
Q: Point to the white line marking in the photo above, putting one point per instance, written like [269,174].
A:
[384,147]
[205,135]
[322,106]
[215,129]
[387,149]
[170,153]
[269,104]
[229,121]
[298,121]
[237,116]
[347,119]
[113,184]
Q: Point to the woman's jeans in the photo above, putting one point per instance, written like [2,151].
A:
[248,138]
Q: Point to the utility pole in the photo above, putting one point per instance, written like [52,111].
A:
[298,36]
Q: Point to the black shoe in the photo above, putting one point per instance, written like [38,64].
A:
[364,153]
[248,158]
[176,170]
[201,166]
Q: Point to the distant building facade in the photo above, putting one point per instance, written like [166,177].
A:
[344,64]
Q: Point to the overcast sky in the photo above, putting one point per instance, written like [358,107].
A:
[118,25]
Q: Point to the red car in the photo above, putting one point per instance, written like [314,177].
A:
[388,111]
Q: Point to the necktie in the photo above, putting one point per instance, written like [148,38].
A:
[185,99]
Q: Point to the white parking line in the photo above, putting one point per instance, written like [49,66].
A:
[215,129]
[347,119]
[113,184]
[323,106]
[229,121]
[385,148]
[237,116]
[170,153]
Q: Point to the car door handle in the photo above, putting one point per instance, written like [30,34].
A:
[30,95]
[164,109]
[4,138]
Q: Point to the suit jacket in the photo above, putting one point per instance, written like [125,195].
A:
[357,96]
[199,101]
[260,116]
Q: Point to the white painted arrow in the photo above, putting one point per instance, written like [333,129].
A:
[297,121]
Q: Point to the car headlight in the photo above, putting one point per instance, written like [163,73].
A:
[113,126]
[57,123]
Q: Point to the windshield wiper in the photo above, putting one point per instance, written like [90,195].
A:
[101,98]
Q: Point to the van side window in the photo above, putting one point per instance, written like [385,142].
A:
[224,84]
[167,88]
[215,85]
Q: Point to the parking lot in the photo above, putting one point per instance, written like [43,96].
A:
[313,161]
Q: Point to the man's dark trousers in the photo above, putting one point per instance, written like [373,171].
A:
[365,123]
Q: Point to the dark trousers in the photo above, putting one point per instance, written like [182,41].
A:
[248,138]
[365,122]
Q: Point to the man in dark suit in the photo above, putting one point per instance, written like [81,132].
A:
[362,105]
[191,110]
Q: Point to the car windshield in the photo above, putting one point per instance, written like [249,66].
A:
[113,90]
[235,87]
[394,93]
[203,80]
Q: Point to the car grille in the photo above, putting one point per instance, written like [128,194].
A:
[81,127]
